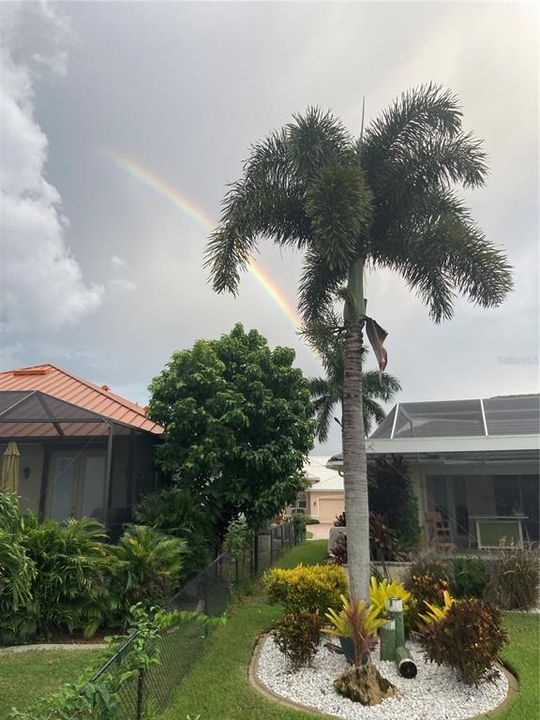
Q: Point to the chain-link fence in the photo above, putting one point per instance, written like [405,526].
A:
[144,695]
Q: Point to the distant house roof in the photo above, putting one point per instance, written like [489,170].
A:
[54,383]
[503,424]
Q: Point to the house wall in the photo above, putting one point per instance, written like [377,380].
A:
[333,504]
[29,487]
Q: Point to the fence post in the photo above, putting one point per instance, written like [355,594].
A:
[140,695]
[256,555]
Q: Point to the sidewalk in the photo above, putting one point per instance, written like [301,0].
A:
[320,532]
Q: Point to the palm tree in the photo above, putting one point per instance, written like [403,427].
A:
[325,338]
[384,200]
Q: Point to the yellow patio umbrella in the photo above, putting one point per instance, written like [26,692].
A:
[9,475]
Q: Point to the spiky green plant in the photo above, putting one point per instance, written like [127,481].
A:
[146,567]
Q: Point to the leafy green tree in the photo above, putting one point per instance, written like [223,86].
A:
[326,339]
[239,425]
[383,200]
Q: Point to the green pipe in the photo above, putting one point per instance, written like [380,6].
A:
[405,664]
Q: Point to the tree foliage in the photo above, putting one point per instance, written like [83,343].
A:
[325,337]
[239,425]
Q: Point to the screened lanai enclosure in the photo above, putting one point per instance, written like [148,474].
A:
[75,462]
[474,465]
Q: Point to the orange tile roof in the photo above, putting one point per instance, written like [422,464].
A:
[62,384]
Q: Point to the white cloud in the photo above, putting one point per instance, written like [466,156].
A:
[41,283]
[118,261]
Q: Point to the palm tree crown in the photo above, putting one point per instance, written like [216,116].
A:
[326,340]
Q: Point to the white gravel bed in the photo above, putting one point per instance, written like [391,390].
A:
[435,693]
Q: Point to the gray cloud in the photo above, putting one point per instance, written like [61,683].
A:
[184,88]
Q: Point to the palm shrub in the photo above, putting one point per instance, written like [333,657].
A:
[145,568]
[17,570]
[175,511]
[68,592]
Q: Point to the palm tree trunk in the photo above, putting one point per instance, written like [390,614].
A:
[353,438]
[354,465]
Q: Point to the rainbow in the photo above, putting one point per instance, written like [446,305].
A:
[195,213]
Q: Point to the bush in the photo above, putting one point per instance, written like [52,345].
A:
[471,577]
[174,511]
[427,580]
[468,638]
[311,589]
[340,520]
[298,635]
[384,542]
[514,579]
[312,521]
[338,554]
[382,590]
[392,496]
[146,568]
[17,571]
[66,591]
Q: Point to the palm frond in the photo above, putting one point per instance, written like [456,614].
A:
[317,287]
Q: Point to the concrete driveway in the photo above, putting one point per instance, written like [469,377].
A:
[320,532]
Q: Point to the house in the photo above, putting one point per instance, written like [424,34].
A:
[84,451]
[474,465]
[323,497]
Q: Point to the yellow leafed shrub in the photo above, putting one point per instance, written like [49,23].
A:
[312,589]
[381,591]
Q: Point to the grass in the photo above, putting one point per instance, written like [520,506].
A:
[521,656]
[218,688]
[27,677]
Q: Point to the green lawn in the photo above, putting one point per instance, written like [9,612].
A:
[522,655]
[218,687]
[26,678]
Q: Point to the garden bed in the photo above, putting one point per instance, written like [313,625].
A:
[435,694]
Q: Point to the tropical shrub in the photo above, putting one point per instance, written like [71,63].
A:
[338,553]
[358,622]
[311,589]
[341,520]
[384,543]
[17,571]
[299,521]
[468,637]
[435,613]
[391,495]
[514,579]
[66,593]
[146,568]
[471,577]
[382,590]
[297,635]
[427,580]
[176,511]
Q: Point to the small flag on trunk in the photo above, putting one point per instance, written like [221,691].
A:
[376,336]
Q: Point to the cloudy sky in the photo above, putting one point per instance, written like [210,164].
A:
[121,124]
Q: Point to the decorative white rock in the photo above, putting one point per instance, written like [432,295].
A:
[435,693]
